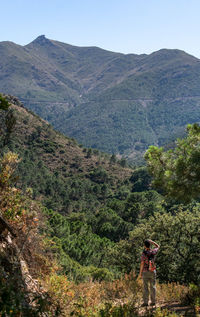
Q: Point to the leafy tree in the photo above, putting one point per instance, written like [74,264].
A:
[113,159]
[110,225]
[123,162]
[10,198]
[4,104]
[89,153]
[142,205]
[7,120]
[177,171]
[141,179]
[76,244]
[179,237]
[99,175]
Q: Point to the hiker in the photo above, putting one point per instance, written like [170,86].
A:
[148,272]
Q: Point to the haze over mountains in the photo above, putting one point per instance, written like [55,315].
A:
[111,101]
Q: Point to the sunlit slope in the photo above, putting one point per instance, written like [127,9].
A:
[63,175]
[114,102]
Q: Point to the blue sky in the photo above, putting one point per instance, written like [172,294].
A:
[127,26]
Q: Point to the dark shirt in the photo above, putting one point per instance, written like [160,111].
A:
[146,255]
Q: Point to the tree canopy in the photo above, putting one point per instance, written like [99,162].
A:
[177,171]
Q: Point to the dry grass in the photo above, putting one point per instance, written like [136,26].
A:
[87,299]
[171,292]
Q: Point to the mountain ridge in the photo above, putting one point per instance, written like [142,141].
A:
[119,103]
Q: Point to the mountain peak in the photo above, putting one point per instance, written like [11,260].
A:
[173,54]
[41,40]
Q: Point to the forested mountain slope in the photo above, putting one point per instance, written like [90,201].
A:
[65,174]
[84,192]
[72,242]
[114,102]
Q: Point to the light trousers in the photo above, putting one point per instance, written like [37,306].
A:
[149,282]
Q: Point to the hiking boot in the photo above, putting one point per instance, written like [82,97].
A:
[153,304]
[144,305]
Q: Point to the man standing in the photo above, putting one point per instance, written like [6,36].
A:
[148,272]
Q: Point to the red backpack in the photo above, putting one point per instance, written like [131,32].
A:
[151,261]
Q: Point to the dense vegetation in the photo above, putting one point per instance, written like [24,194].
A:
[94,215]
[77,182]
[109,101]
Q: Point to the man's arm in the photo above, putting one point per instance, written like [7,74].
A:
[141,269]
[154,243]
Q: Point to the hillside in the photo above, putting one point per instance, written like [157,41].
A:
[75,186]
[110,101]
[51,163]
[72,242]
[87,196]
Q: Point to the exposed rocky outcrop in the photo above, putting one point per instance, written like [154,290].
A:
[19,289]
